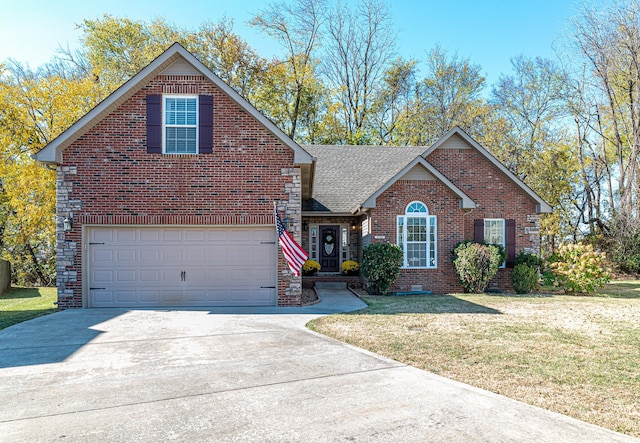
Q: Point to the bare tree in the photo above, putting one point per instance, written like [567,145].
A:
[297,27]
[359,46]
[609,43]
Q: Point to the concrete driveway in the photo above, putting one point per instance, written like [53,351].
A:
[179,375]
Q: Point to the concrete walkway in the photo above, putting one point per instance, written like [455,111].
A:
[117,375]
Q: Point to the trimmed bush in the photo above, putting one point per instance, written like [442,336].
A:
[476,264]
[381,264]
[578,268]
[524,278]
[532,260]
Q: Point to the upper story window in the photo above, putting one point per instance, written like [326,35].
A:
[417,236]
[180,125]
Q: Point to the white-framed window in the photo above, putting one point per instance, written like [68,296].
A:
[417,236]
[495,233]
[180,124]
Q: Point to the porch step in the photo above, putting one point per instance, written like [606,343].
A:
[331,285]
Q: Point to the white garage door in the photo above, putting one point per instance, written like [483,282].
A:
[167,266]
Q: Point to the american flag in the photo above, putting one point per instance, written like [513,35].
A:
[293,252]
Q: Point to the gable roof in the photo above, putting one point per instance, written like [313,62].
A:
[350,178]
[52,153]
[542,206]
[346,176]
[465,201]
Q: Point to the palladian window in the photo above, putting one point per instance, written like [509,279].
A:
[417,236]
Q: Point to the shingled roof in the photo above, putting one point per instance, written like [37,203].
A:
[346,176]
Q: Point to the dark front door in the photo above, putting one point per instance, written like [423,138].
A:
[329,249]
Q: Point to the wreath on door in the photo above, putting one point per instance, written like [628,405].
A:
[328,238]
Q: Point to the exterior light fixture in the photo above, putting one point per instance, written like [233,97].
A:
[67,223]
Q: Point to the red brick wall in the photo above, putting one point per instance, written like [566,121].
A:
[442,203]
[117,182]
[494,193]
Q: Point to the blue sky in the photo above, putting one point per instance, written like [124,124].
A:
[489,32]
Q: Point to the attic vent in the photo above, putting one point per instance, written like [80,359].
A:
[180,67]
[180,89]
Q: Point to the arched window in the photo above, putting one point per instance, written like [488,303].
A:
[417,236]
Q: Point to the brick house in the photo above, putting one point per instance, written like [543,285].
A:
[166,189]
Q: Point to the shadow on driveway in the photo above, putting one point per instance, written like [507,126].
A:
[34,343]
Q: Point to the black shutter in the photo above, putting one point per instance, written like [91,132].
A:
[205,122]
[154,124]
[478,230]
[510,241]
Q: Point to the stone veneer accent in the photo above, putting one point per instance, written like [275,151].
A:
[66,247]
[291,208]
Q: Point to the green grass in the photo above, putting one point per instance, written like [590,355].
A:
[22,304]
[576,355]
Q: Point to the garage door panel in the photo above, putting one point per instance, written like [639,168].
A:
[149,235]
[182,266]
[102,235]
[149,297]
[99,277]
[195,254]
[126,296]
[195,235]
[149,256]
[171,235]
[126,276]
[126,255]
[126,235]
[240,235]
[101,255]
[149,275]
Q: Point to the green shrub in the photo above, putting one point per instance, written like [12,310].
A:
[381,264]
[531,260]
[578,268]
[524,278]
[548,279]
[502,252]
[476,264]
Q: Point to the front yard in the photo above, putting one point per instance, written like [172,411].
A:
[22,304]
[578,356]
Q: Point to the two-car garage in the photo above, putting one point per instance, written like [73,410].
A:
[166,266]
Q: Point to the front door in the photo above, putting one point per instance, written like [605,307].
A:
[329,248]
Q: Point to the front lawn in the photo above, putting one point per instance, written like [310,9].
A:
[22,304]
[578,356]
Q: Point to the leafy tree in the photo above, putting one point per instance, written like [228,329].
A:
[451,95]
[296,26]
[35,106]
[532,103]
[229,56]
[118,48]
[394,109]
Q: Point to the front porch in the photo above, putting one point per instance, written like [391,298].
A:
[352,281]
